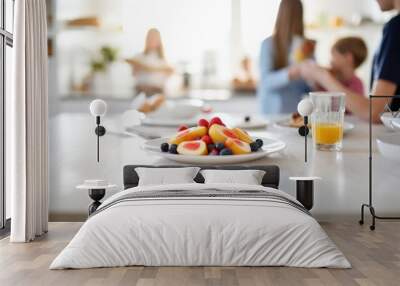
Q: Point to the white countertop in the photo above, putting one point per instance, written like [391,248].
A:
[340,192]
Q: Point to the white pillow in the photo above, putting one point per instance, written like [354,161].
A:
[166,176]
[247,177]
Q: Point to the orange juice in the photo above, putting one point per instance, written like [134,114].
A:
[327,133]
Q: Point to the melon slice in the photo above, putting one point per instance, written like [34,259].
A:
[219,133]
[242,135]
[237,146]
[188,134]
[195,147]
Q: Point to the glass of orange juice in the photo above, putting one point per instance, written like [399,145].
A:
[327,120]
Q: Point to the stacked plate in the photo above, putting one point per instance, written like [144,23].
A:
[174,113]
[389,144]
[235,120]
[391,121]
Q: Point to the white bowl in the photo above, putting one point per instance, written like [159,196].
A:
[387,120]
[389,146]
[179,109]
[396,123]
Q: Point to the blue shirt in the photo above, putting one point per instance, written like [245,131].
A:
[276,92]
[386,64]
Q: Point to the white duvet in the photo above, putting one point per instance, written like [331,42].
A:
[200,231]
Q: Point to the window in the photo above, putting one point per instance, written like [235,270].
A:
[208,38]
[257,22]
[6,43]
[195,34]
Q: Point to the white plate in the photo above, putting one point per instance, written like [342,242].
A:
[396,123]
[178,109]
[231,120]
[285,123]
[270,146]
[238,120]
[170,122]
[389,121]
[389,146]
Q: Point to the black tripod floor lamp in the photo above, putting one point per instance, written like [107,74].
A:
[370,205]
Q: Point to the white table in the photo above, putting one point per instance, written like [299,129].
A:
[340,192]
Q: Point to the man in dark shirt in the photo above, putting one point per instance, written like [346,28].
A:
[386,65]
[385,74]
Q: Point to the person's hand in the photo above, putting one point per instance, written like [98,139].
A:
[309,70]
[294,72]
[305,70]
[314,74]
[319,76]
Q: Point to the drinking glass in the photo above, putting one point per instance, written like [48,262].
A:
[327,120]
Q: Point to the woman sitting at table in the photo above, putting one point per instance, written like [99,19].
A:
[281,86]
[150,68]
[385,74]
[245,81]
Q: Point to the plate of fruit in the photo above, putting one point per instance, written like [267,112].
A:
[296,121]
[211,142]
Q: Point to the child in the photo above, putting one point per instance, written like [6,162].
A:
[347,55]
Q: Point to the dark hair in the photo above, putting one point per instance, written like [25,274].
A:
[289,23]
[354,46]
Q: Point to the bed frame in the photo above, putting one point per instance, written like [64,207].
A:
[270,179]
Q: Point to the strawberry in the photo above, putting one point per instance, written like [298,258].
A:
[203,122]
[207,139]
[183,127]
[216,120]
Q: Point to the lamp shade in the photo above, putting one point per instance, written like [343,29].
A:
[305,107]
[98,107]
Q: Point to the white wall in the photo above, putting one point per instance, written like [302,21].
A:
[346,9]
[258,19]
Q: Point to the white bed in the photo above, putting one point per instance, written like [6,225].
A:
[207,230]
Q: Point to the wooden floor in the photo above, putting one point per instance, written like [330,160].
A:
[375,257]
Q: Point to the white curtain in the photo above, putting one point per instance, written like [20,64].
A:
[27,140]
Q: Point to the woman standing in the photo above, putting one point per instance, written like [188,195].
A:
[281,87]
[385,74]
[150,68]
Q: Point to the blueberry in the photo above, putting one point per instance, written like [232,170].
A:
[210,147]
[219,146]
[254,146]
[214,152]
[173,149]
[225,152]
[260,143]
[247,118]
[164,147]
